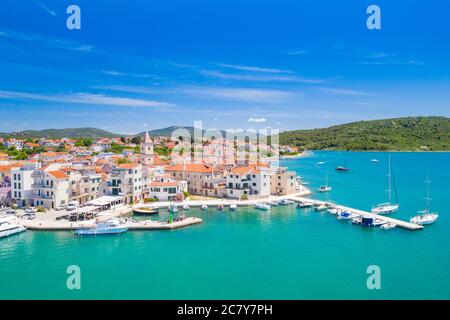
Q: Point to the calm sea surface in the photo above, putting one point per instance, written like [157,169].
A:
[285,254]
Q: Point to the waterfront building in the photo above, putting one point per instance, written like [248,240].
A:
[22,185]
[198,176]
[126,180]
[50,189]
[283,182]
[166,189]
[248,181]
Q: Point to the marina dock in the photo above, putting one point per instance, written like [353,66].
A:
[399,223]
[136,225]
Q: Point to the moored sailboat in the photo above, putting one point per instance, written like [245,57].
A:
[388,207]
[426,216]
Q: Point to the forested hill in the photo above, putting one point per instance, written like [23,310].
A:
[400,134]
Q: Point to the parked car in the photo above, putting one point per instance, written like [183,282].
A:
[30,210]
[73,205]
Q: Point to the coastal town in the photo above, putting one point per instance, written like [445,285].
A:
[60,175]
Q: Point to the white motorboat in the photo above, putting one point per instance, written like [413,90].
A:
[112,226]
[303,205]
[322,207]
[285,202]
[320,162]
[374,161]
[387,207]
[8,227]
[344,215]
[233,207]
[204,207]
[334,211]
[388,225]
[426,216]
[262,206]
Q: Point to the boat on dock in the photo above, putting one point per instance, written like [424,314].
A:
[334,211]
[388,226]
[262,206]
[8,228]
[145,211]
[368,221]
[285,202]
[388,207]
[344,215]
[425,216]
[112,226]
[303,205]
[321,207]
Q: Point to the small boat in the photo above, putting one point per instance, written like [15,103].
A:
[343,168]
[233,207]
[368,222]
[262,206]
[112,226]
[304,205]
[374,161]
[220,207]
[145,211]
[8,228]
[186,206]
[285,202]
[322,207]
[388,207]
[344,215]
[426,216]
[388,225]
[173,208]
[334,211]
[204,207]
[320,163]
[273,203]
[324,188]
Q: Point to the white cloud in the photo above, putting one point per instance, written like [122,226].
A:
[253,69]
[84,98]
[239,94]
[257,120]
[260,77]
[297,52]
[346,92]
[51,12]
[47,42]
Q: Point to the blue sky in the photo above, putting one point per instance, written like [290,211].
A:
[137,65]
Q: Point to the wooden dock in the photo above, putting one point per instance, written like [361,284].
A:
[399,223]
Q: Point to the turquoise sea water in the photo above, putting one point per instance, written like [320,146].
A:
[285,254]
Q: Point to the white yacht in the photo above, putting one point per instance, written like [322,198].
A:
[325,187]
[262,206]
[8,227]
[387,207]
[425,216]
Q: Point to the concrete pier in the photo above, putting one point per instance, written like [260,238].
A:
[399,223]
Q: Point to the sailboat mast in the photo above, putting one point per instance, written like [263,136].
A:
[427,184]
[389,180]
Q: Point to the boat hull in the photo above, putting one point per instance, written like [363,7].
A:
[12,231]
[94,232]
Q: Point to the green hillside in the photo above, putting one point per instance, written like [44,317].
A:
[61,133]
[401,134]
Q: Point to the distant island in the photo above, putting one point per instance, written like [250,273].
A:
[398,134]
